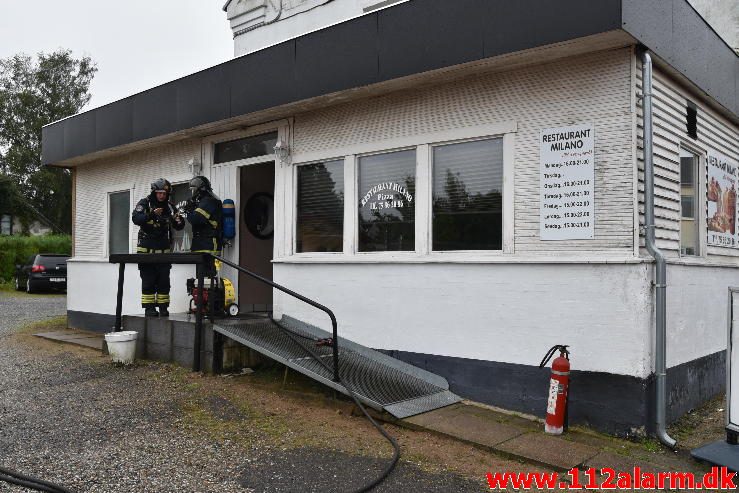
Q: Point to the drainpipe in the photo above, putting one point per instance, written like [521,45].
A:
[660,350]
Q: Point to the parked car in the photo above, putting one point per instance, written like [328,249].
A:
[42,272]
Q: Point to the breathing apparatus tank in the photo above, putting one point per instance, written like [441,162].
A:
[229,219]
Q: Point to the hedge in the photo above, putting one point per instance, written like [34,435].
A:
[16,250]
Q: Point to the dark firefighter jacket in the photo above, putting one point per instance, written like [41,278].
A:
[206,218]
[155,233]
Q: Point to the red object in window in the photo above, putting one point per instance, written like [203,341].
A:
[38,268]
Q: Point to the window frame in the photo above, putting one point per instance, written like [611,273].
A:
[431,192]
[699,201]
[423,145]
[131,189]
[209,145]
[10,230]
[174,232]
[294,210]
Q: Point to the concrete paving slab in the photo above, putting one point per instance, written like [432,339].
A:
[430,418]
[549,451]
[476,429]
[90,340]
[62,334]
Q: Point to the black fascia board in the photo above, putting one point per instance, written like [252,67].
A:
[675,32]
[406,39]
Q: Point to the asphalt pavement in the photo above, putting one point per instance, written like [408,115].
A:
[71,417]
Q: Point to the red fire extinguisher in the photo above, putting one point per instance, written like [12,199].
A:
[556,421]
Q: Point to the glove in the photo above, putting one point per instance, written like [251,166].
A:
[189,206]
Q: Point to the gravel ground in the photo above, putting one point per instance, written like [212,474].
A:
[68,416]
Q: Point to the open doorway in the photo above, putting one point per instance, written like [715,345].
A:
[256,235]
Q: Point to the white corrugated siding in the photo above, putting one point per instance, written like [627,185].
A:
[669,103]
[137,169]
[591,88]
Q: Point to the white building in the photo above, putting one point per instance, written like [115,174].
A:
[415,194]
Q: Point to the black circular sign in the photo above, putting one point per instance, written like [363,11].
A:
[259,215]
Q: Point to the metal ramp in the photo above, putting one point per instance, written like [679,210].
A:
[379,381]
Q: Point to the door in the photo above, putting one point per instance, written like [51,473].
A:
[256,235]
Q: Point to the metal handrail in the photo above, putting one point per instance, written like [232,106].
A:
[335,342]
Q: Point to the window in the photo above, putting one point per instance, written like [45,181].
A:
[320,207]
[181,240]
[6,224]
[467,212]
[248,147]
[688,211]
[691,120]
[387,185]
[119,217]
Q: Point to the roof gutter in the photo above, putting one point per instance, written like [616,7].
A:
[660,350]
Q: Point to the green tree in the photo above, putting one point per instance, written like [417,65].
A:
[34,93]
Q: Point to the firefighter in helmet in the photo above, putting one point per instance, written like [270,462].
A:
[156,217]
[205,213]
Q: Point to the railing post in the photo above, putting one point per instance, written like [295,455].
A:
[198,318]
[119,298]
[336,349]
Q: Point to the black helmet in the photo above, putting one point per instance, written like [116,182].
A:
[161,185]
[199,185]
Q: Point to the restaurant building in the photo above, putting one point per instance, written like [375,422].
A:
[461,182]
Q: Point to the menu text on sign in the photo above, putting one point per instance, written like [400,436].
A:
[567,183]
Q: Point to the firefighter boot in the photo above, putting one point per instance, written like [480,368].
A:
[163,312]
[150,311]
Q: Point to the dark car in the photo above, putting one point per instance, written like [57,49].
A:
[42,272]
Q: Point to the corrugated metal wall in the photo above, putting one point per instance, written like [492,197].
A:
[669,104]
[136,170]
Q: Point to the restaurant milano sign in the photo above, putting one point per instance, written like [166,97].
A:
[567,178]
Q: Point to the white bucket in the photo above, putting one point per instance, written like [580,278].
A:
[122,346]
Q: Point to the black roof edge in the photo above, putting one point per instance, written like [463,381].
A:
[389,44]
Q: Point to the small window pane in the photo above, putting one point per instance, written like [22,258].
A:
[467,201]
[387,191]
[181,240]
[248,147]
[688,210]
[687,171]
[6,224]
[320,226]
[120,211]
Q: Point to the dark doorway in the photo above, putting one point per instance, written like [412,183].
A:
[256,235]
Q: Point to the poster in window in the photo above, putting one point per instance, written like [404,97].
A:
[567,183]
[721,212]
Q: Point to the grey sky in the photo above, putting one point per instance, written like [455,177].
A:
[137,44]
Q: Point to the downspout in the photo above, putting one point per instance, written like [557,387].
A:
[660,350]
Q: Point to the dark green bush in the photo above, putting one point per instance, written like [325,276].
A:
[16,250]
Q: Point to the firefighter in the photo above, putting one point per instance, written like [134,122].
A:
[205,213]
[156,217]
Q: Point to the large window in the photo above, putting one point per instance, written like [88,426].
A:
[689,222]
[443,196]
[467,201]
[181,240]
[119,217]
[248,147]
[387,189]
[320,207]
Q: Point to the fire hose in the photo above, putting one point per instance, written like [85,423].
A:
[30,482]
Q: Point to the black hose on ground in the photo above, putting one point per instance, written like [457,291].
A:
[26,481]
[383,432]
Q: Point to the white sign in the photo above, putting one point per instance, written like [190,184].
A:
[567,183]
[721,188]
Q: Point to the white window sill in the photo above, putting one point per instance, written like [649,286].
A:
[451,258]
